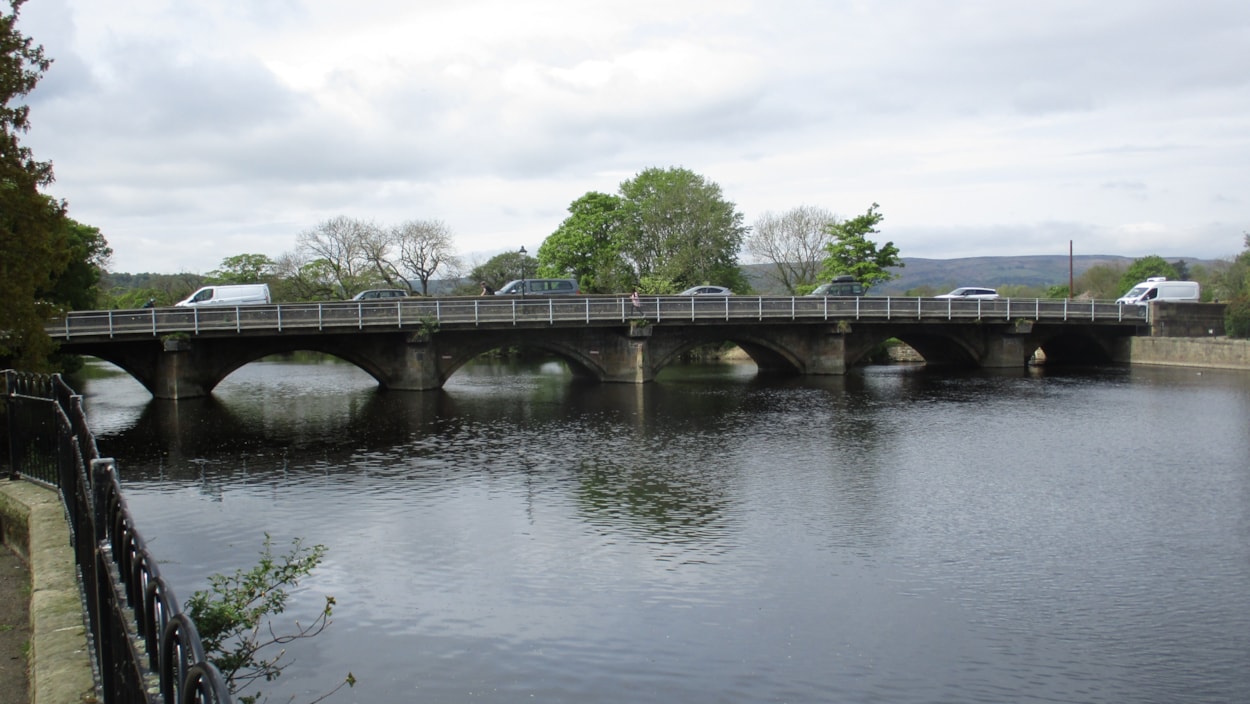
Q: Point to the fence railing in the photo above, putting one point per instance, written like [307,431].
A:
[461,312]
[146,650]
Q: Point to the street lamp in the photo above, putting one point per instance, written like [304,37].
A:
[522,271]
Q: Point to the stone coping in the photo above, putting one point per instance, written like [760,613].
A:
[34,527]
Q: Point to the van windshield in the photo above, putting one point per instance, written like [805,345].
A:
[1137,291]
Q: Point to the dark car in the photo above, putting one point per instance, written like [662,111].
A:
[840,286]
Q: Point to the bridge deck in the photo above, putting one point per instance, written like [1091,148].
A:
[462,312]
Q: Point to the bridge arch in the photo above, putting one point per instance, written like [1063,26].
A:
[769,356]
[465,348]
[1074,347]
[939,349]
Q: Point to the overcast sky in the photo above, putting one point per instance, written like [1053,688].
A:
[192,131]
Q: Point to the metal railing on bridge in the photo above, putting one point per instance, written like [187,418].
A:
[123,592]
[461,312]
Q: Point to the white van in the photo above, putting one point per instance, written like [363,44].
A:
[229,295]
[1158,288]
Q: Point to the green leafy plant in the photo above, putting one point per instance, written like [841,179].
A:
[234,615]
[1237,317]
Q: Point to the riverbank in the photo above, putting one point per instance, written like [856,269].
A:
[1208,352]
[48,659]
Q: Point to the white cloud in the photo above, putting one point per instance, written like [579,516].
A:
[191,132]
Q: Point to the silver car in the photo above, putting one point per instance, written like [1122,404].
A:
[707,291]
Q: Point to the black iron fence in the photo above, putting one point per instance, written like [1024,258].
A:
[146,650]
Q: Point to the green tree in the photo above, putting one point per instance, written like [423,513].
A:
[502,268]
[234,617]
[677,230]
[1231,278]
[34,238]
[77,286]
[586,246]
[1100,282]
[243,269]
[1144,268]
[851,252]
[1234,283]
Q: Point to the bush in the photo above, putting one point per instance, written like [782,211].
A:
[233,618]
[1237,317]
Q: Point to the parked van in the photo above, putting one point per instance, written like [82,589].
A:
[539,287]
[1158,288]
[229,295]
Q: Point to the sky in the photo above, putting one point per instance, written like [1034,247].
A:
[188,132]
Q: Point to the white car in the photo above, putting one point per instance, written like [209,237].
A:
[971,293]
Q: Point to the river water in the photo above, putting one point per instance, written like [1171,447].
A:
[897,535]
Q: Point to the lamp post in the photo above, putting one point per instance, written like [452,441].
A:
[522,253]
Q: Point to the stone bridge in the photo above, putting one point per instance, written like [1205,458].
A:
[418,343]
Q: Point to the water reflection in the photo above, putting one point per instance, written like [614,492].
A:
[892,535]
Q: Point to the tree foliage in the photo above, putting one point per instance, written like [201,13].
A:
[243,269]
[676,227]
[234,617]
[794,242]
[34,237]
[502,268]
[1100,282]
[1144,268]
[665,230]
[851,252]
[1234,282]
[586,246]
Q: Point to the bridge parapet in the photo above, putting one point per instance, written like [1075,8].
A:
[589,311]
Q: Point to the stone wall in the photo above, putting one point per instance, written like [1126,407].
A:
[59,658]
[1220,353]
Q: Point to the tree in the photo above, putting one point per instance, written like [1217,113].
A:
[77,287]
[301,278]
[1100,282]
[424,247]
[676,230]
[243,269]
[794,242]
[586,246]
[851,252]
[1234,283]
[502,268]
[346,249]
[1144,268]
[34,238]
[665,230]
[1231,279]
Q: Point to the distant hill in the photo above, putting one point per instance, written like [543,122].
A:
[1043,270]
